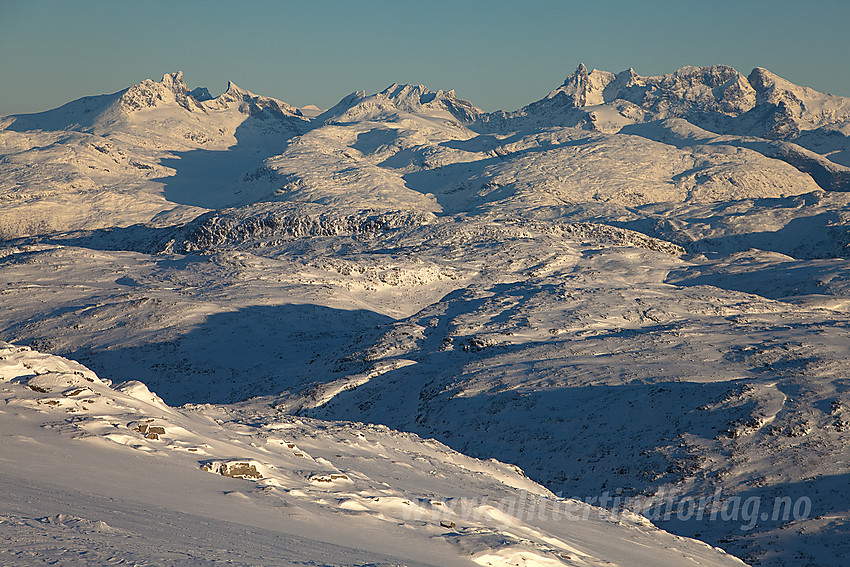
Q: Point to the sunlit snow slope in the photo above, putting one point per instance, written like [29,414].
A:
[635,286]
[99,474]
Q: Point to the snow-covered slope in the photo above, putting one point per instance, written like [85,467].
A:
[603,376]
[148,483]
[337,277]
[718,99]
[634,287]
[150,152]
[512,336]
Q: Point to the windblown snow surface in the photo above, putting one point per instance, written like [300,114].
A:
[103,474]
[634,290]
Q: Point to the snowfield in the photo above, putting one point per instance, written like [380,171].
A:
[99,474]
[633,290]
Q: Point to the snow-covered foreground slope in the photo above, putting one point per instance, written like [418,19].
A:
[596,358]
[95,473]
[634,288]
[605,379]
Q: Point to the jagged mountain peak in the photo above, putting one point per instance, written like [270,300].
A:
[788,110]
[397,90]
[174,80]
[252,104]
[94,111]
[234,93]
[691,91]
[771,88]
[171,89]
[763,79]
[412,97]
[591,88]
[407,98]
[709,75]
[605,101]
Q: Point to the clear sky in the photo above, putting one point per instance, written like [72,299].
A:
[497,54]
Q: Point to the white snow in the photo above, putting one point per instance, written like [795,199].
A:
[98,474]
[634,288]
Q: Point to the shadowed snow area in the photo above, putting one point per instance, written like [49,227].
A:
[215,178]
[208,362]
[247,485]
[633,290]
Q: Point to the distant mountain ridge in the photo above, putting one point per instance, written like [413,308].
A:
[782,109]
[717,98]
[167,151]
[169,91]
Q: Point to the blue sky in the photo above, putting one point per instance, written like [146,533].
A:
[497,54]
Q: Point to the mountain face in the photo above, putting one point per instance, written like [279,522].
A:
[635,286]
[113,160]
[717,98]
[411,99]
[103,114]
[713,135]
[717,89]
[150,94]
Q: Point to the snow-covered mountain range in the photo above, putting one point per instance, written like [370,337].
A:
[634,286]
